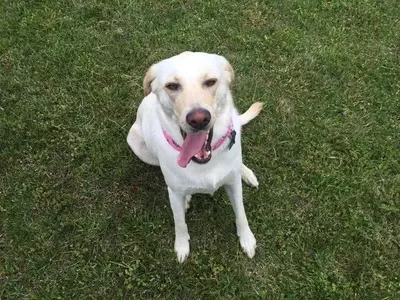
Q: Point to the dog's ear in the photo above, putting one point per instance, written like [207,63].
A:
[228,72]
[148,79]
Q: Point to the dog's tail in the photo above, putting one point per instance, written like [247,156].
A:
[251,113]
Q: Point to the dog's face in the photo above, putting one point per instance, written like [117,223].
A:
[191,82]
[192,88]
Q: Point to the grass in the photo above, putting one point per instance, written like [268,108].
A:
[82,218]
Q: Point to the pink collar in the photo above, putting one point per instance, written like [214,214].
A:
[215,147]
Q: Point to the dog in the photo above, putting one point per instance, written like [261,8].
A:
[187,124]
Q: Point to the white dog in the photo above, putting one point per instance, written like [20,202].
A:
[187,124]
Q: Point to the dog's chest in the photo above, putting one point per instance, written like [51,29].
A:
[206,184]
[198,180]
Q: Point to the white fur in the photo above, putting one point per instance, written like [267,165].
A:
[160,110]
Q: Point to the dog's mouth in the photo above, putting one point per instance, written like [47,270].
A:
[196,147]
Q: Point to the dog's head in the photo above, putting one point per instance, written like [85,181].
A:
[192,88]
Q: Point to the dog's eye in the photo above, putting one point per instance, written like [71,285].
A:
[173,86]
[210,82]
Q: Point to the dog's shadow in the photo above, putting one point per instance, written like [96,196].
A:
[210,219]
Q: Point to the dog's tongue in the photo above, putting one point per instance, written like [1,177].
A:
[191,146]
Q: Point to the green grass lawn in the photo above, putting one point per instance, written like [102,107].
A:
[81,217]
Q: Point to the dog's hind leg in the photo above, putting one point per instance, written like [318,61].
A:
[187,202]
[248,176]
[139,147]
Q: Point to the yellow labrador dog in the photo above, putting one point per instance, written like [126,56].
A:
[188,125]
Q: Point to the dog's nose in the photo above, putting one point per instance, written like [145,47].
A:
[198,118]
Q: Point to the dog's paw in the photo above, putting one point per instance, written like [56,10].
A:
[248,243]
[249,177]
[182,249]
[187,202]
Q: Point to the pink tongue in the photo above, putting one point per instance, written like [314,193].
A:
[191,146]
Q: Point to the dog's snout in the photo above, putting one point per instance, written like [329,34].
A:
[198,118]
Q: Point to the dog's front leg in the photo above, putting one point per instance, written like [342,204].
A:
[181,232]
[235,194]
